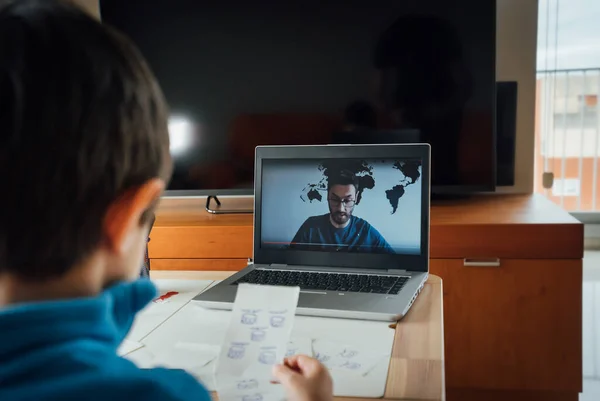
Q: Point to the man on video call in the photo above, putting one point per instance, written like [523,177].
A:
[340,230]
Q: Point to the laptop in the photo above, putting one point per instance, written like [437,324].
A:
[348,224]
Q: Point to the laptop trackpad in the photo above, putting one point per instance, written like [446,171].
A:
[343,301]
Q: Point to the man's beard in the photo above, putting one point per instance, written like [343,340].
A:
[340,218]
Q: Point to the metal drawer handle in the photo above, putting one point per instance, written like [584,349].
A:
[488,262]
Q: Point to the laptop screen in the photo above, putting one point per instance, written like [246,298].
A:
[342,205]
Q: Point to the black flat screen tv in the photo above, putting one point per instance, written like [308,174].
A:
[241,73]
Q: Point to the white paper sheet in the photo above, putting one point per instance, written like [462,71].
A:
[160,310]
[188,356]
[250,389]
[194,324]
[345,357]
[257,338]
[142,357]
[299,346]
[199,360]
[128,346]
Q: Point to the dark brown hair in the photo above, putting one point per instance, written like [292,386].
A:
[82,120]
[343,177]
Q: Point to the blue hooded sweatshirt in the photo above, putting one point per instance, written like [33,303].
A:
[67,350]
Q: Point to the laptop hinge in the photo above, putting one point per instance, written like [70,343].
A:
[277,265]
[397,271]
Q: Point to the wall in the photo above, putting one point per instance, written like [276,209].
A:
[516,61]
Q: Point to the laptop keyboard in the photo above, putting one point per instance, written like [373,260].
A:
[326,281]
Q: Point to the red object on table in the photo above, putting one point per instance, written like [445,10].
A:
[166,296]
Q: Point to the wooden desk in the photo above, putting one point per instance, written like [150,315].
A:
[512,327]
[417,364]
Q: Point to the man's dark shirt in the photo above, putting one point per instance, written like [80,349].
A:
[317,233]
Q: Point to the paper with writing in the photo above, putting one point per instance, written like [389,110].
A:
[345,357]
[257,338]
[299,346]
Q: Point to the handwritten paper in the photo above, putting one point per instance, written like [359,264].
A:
[344,357]
[299,346]
[257,338]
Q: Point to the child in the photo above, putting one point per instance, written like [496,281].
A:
[84,158]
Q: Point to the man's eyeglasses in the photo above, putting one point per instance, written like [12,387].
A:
[347,203]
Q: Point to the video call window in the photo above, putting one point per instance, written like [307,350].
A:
[342,205]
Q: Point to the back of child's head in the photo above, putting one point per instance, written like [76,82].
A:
[82,120]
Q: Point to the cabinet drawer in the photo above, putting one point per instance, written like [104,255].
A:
[198,264]
[196,242]
[512,326]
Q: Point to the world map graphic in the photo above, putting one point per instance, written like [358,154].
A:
[408,174]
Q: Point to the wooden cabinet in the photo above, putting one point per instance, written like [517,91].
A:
[515,326]
[512,313]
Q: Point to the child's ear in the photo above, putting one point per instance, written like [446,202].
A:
[124,214]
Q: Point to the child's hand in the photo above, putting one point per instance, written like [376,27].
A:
[304,379]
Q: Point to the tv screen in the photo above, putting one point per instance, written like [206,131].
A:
[240,73]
